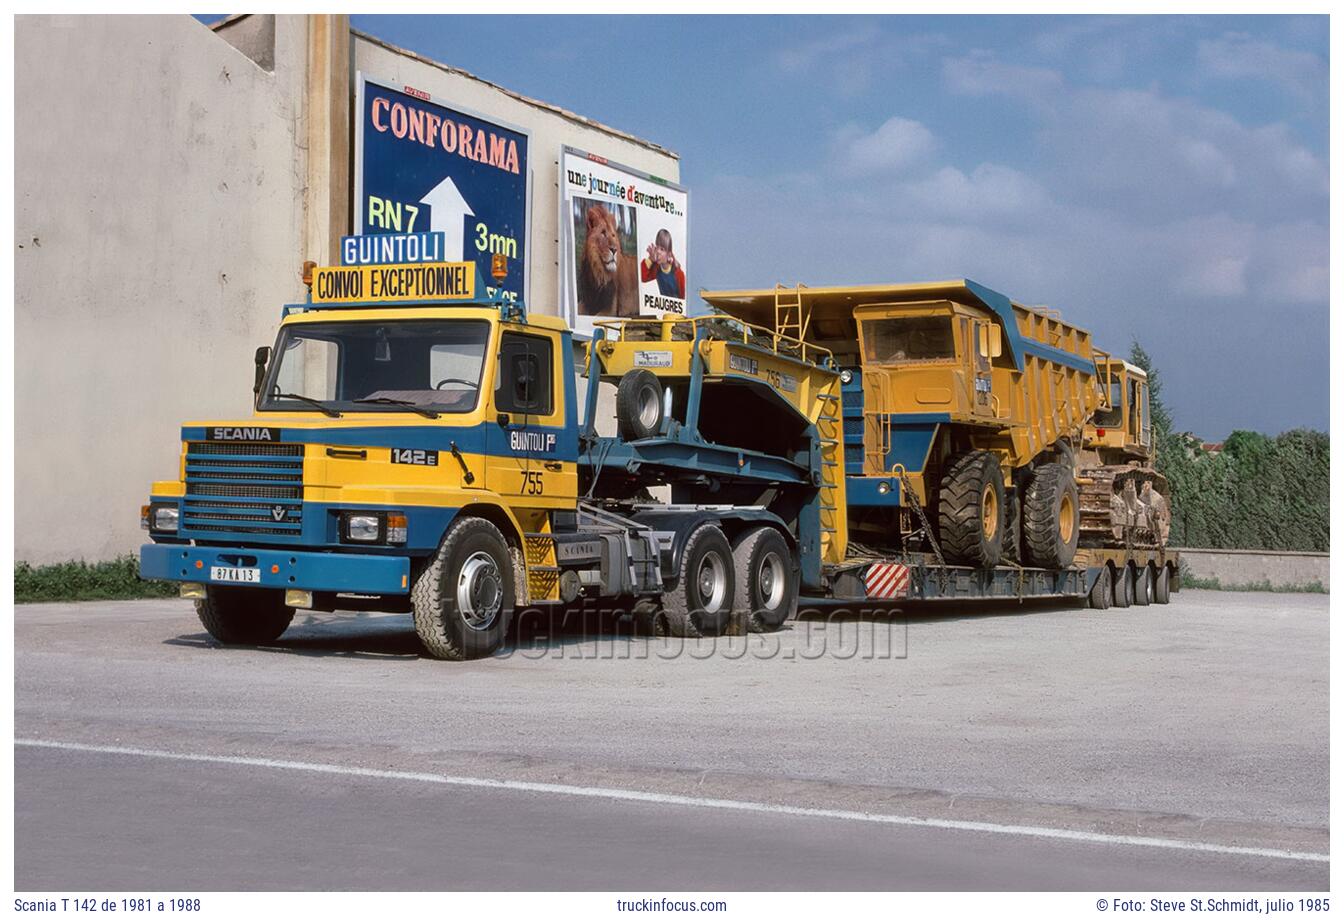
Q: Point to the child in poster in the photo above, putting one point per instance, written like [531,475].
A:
[661,264]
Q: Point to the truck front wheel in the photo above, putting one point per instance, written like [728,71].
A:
[463,600]
[970,510]
[244,616]
[702,602]
[766,591]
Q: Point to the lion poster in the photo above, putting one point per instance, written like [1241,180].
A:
[624,250]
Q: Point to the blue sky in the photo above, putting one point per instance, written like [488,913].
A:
[1155,178]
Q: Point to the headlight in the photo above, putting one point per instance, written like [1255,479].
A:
[362,528]
[883,488]
[373,527]
[162,518]
[846,376]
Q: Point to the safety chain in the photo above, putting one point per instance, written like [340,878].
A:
[926,529]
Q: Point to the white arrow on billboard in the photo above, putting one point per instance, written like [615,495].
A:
[448,212]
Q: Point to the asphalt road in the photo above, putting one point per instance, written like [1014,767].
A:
[1180,747]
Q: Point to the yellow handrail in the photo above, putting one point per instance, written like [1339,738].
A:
[714,324]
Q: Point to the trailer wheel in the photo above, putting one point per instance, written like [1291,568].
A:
[765,595]
[1162,586]
[463,600]
[244,616]
[970,510]
[702,602]
[639,405]
[1122,591]
[1050,517]
[1099,598]
[1143,586]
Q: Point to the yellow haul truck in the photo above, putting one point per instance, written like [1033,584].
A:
[999,423]
[417,445]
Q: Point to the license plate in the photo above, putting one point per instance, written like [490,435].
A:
[229,573]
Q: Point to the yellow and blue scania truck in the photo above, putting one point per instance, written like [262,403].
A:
[418,445]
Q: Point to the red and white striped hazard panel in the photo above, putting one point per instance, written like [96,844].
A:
[887,580]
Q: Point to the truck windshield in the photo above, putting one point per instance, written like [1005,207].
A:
[431,364]
[908,338]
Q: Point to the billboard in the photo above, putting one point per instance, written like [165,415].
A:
[623,241]
[424,166]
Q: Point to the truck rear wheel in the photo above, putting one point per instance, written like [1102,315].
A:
[463,600]
[1162,586]
[766,586]
[970,510]
[244,616]
[702,602]
[639,405]
[1012,527]
[1099,598]
[1143,586]
[1122,591]
[1050,517]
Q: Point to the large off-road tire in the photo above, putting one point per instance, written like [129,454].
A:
[1162,586]
[1050,517]
[1143,586]
[244,616]
[1099,598]
[639,405]
[970,510]
[463,599]
[765,593]
[1122,588]
[701,604]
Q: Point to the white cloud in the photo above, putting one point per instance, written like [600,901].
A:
[1238,56]
[897,144]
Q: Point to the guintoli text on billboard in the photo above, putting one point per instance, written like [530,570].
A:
[412,124]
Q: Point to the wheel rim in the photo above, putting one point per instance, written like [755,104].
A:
[480,592]
[770,579]
[1066,515]
[989,511]
[649,410]
[711,581]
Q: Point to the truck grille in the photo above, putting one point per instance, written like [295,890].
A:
[244,489]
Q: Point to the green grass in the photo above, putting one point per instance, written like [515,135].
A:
[1213,584]
[116,579]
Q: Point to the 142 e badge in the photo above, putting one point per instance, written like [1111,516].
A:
[415,457]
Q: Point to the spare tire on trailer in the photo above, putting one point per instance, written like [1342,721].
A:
[766,589]
[639,405]
[970,510]
[1050,517]
[701,604]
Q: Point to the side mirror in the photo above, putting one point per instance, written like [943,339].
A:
[995,340]
[260,360]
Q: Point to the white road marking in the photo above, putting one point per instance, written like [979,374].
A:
[688,801]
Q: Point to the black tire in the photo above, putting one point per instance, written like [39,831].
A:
[463,600]
[765,593]
[244,616]
[639,405]
[701,604]
[1122,589]
[970,510]
[1050,518]
[1012,527]
[1143,586]
[1099,598]
[1162,586]
[649,619]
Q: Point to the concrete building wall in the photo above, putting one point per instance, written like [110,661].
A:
[159,215]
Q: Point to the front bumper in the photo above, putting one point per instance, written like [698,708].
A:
[345,572]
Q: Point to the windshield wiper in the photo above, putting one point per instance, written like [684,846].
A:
[389,401]
[308,399]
